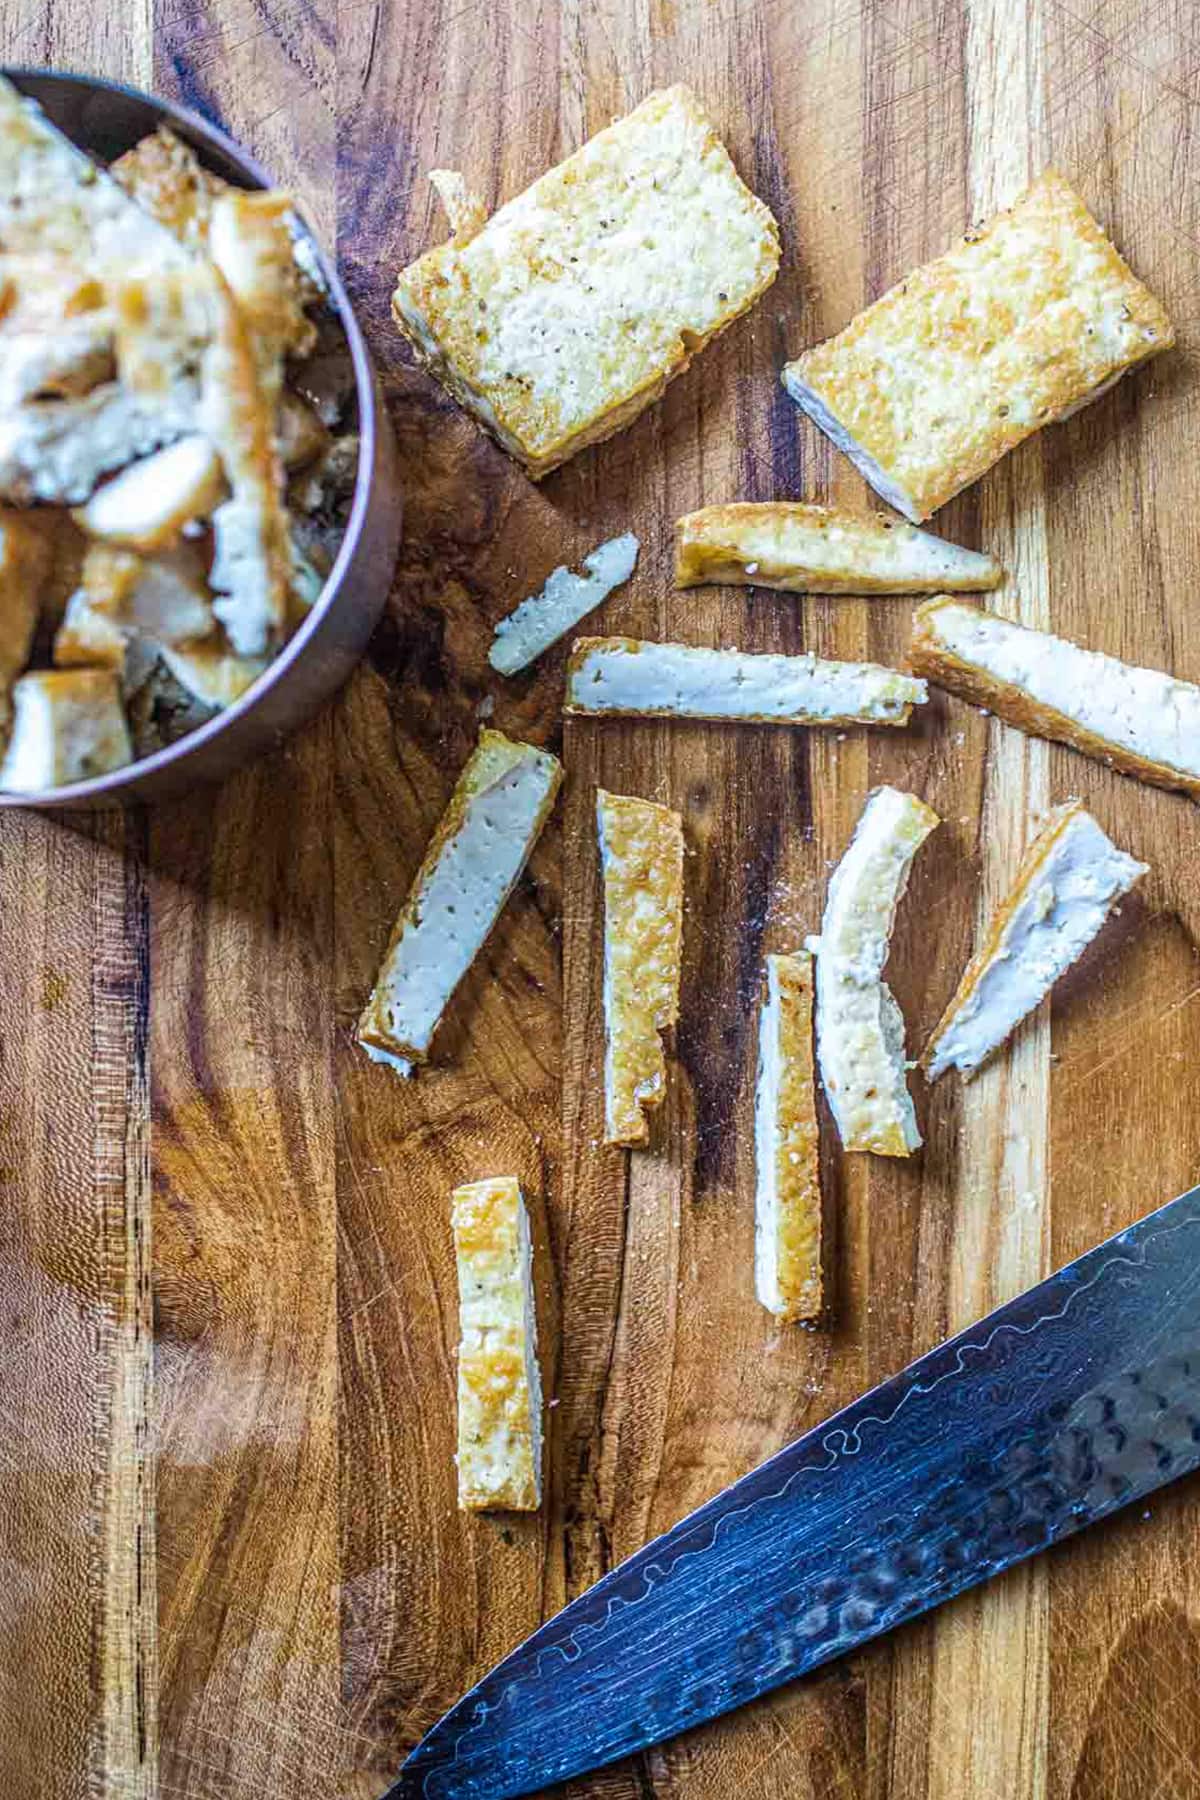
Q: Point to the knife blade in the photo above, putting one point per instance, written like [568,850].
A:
[1064,1405]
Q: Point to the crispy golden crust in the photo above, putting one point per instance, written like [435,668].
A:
[494,757]
[1016,707]
[1038,850]
[567,313]
[641,847]
[1026,319]
[797,1224]
[498,1394]
[801,548]
[164,175]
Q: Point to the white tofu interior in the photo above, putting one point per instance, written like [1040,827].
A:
[870,470]
[566,597]
[461,899]
[860,1029]
[1143,710]
[1063,904]
[689,682]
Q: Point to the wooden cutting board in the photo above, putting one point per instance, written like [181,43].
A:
[231,1566]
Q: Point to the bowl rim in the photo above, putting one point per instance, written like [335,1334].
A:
[212,137]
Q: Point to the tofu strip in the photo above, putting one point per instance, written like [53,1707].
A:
[1140,721]
[641,863]
[860,1029]
[683,681]
[496,813]
[1025,320]
[1069,880]
[499,1383]
[541,620]
[803,549]
[787,1241]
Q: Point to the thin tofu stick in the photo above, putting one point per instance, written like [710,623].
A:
[1140,721]
[788,1195]
[1069,880]
[683,681]
[499,1383]
[804,549]
[496,813]
[641,862]
[1025,320]
[860,1030]
[545,617]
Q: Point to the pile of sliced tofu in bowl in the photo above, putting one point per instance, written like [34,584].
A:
[180,417]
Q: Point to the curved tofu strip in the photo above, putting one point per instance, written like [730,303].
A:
[1026,319]
[499,1382]
[541,620]
[170,324]
[68,725]
[804,549]
[496,813]
[147,505]
[1069,880]
[250,240]
[787,1236]
[683,681]
[641,863]
[567,313]
[860,1031]
[1140,721]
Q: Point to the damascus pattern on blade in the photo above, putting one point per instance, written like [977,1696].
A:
[1068,1403]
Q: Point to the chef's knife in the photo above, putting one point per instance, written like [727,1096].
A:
[1073,1400]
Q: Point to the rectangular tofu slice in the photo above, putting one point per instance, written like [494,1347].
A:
[860,1030]
[496,813]
[568,312]
[545,617]
[805,549]
[641,864]
[1025,320]
[68,725]
[1140,721]
[499,1382]
[684,681]
[787,1237]
[1068,882]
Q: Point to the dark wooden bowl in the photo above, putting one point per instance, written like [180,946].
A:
[105,118]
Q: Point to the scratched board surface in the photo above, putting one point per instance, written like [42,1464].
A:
[232,1562]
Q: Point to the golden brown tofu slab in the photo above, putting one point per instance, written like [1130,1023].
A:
[1027,319]
[568,312]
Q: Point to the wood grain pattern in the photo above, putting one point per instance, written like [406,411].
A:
[238,1568]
